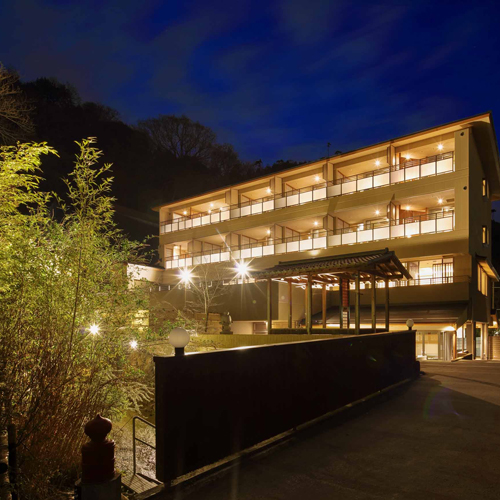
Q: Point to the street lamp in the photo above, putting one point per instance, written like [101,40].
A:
[178,339]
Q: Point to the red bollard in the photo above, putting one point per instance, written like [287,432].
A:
[99,479]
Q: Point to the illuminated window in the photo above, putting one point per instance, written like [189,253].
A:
[485,188]
[486,236]
[432,271]
[482,280]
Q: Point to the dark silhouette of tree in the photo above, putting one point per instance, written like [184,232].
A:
[180,136]
[15,122]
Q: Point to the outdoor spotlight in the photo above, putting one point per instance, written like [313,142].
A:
[242,269]
[269,190]
[440,200]
[315,222]
[184,213]
[94,329]
[440,147]
[377,212]
[178,339]
[133,344]
[377,163]
[185,275]
[317,178]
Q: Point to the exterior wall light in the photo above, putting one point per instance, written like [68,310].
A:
[185,275]
[377,163]
[178,339]
[408,156]
[211,204]
[317,178]
[440,200]
[377,212]
[94,329]
[184,213]
[315,222]
[241,269]
[410,323]
[268,231]
[268,190]
[440,147]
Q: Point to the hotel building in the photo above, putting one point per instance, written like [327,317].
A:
[425,196]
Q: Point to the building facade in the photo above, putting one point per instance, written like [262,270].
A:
[425,196]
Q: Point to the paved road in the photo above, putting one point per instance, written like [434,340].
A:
[438,439]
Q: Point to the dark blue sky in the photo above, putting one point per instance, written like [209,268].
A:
[276,79]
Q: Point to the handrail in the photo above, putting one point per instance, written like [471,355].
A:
[134,439]
[321,233]
[321,185]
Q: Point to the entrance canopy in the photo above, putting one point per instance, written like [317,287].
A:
[335,270]
[382,264]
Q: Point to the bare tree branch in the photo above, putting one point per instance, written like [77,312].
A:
[180,136]
[15,122]
[207,290]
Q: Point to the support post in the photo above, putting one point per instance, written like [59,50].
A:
[357,317]
[374,304]
[473,337]
[323,305]
[341,305]
[386,305]
[290,304]
[269,306]
[309,305]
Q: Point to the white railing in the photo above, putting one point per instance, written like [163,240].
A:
[320,239]
[411,170]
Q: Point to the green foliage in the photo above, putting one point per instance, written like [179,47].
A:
[57,278]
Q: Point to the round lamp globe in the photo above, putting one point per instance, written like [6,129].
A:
[178,338]
[409,323]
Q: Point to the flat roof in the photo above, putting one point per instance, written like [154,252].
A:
[343,156]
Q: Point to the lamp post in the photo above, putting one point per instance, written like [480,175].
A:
[179,338]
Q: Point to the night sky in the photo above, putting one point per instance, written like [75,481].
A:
[279,79]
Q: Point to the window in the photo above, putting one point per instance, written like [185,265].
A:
[485,188]
[432,271]
[482,280]
[486,236]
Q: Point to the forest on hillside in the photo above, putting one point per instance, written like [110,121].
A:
[156,160]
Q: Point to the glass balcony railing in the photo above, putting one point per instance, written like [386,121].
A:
[410,170]
[321,239]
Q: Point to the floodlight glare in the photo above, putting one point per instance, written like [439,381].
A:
[241,269]
[185,275]
[133,344]
[94,329]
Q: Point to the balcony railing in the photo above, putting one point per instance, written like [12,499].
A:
[410,170]
[321,239]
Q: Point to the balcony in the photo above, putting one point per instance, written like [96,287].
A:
[322,239]
[410,170]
